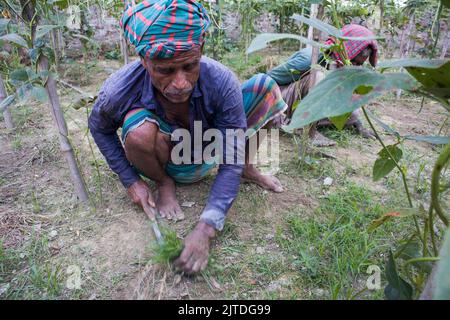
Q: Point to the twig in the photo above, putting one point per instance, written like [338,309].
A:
[163,282]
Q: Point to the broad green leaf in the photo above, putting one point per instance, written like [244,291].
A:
[319,25]
[9,100]
[15,39]
[24,91]
[386,128]
[83,101]
[43,30]
[397,289]
[442,291]
[34,54]
[430,139]
[262,40]
[39,93]
[3,24]
[335,95]
[399,213]
[434,75]
[403,63]
[340,121]
[446,3]
[19,75]
[62,4]
[413,250]
[385,164]
[329,29]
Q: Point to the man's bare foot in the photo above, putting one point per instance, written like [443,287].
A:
[167,202]
[319,140]
[266,181]
[366,133]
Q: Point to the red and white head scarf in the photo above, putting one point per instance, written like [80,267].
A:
[355,47]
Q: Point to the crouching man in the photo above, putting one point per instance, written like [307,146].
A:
[173,87]
[293,77]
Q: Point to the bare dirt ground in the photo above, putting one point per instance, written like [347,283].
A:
[109,240]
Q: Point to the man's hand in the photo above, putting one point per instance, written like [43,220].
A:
[140,194]
[194,257]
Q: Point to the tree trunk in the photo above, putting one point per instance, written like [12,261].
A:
[124,48]
[60,123]
[55,45]
[446,42]
[404,53]
[381,14]
[317,13]
[313,14]
[6,113]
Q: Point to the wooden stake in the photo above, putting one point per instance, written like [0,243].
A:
[6,113]
[61,126]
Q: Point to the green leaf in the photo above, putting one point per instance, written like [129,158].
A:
[434,75]
[398,213]
[413,250]
[19,75]
[262,40]
[329,29]
[39,93]
[442,291]
[15,39]
[34,54]
[340,121]
[386,128]
[446,3]
[83,101]
[9,100]
[430,139]
[4,24]
[385,164]
[335,95]
[62,4]
[397,289]
[43,30]
[24,91]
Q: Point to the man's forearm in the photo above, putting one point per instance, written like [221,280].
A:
[111,148]
[223,193]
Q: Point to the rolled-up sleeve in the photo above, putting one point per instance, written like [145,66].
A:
[230,115]
[103,128]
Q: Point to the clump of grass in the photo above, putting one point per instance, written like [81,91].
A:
[333,249]
[170,249]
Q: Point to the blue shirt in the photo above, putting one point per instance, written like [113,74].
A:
[216,101]
[293,68]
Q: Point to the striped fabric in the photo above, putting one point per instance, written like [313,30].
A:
[262,103]
[159,29]
[355,47]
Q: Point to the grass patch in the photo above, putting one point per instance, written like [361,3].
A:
[28,272]
[332,250]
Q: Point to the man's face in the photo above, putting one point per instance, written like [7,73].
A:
[360,59]
[176,77]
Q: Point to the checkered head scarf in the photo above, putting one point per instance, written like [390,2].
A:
[355,47]
[163,28]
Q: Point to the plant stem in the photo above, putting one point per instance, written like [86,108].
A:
[441,162]
[405,184]
[431,230]
[423,259]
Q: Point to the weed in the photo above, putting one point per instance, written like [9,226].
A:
[170,249]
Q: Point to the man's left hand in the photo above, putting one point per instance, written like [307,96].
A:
[194,257]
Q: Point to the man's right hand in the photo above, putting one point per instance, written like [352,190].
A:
[140,194]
